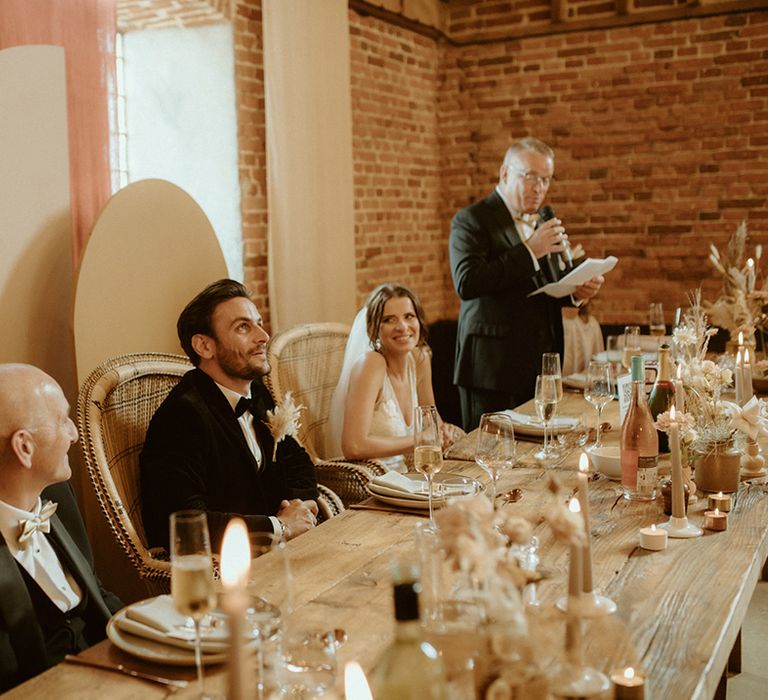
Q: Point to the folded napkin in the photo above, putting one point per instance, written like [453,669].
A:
[399,482]
[577,380]
[534,422]
[157,619]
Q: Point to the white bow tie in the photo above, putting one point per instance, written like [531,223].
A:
[38,523]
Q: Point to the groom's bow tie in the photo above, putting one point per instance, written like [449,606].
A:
[38,523]
[242,406]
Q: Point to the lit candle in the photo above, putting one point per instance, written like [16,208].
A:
[720,501]
[235,569]
[653,538]
[355,683]
[678,494]
[576,572]
[738,382]
[679,393]
[628,684]
[584,505]
[750,275]
[746,374]
[715,520]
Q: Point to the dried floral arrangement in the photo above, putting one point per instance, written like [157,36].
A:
[284,421]
[741,304]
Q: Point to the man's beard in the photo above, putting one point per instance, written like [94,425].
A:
[233,365]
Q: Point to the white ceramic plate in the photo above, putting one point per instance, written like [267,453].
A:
[157,652]
[405,500]
[530,425]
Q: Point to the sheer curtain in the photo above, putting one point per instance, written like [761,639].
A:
[86,31]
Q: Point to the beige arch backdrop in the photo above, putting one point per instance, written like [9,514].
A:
[151,250]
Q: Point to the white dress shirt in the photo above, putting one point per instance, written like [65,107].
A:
[39,558]
[246,425]
[525,224]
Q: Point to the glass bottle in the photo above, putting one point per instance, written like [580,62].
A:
[639,442]
[411,668]
[662,395]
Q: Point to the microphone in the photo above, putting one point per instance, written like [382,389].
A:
[545,214]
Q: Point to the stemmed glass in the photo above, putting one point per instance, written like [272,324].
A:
[550,366]
[192,587]
[656,324]
[427,451]
[546,399]
[496,448]
[631,346]
[598,391]
[270,595]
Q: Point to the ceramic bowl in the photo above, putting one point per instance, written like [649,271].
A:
[607,460]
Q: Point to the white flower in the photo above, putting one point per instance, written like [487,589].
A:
[683,335]
[284,421]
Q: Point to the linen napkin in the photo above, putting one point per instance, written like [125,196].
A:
[399,482]
[157,619]
[525,419]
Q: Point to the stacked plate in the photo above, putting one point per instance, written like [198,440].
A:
[412,490]
[525,424]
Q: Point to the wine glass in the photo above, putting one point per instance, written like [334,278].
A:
[427,451]
[550,366]
[656,318]
[270,589]
[631,346]
[192,589]
[546,399]
[496,448]
[598,391]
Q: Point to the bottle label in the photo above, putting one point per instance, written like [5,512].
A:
[639,474]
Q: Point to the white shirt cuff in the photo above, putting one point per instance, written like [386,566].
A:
[533,257]
[277,528]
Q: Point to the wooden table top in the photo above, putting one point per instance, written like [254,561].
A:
[679,610]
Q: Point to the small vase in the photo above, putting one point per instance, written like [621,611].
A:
[718,468]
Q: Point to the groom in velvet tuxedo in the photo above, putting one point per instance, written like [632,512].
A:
[502,248]
[208,446]
[51,603]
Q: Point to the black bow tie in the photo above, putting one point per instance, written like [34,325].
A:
[243,405]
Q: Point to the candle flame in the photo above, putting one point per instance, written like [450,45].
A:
[355,683]
[741,338]
[653,527]
[717,511]
[746,356]
[235,554]
[719,494]
[574,506]
[629,673]
[584,463]
[672,413]
[750,263]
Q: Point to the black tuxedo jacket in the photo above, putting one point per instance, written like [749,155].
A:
[502,332]
[22,646]
[195,457]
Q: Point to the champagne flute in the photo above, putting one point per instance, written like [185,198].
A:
[550,366]
[427,451]
[546,400]
[192,589]
[496,448]
[631,346]
[656,324]
[598,391]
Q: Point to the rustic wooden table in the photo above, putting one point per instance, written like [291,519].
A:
[679,610]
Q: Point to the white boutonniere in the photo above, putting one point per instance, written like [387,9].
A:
[284,421]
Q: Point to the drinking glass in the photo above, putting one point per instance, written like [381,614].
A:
[307,662]
[427,451]
[496,448]
[656,318]
[631,346]
[550,366]
[598,391]
[270,589]
[546,399]
[192,586]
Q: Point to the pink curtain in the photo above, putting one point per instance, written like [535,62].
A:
[86,30]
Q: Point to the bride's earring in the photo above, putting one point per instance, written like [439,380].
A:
[377,344]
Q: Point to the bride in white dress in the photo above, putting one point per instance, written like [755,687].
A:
[387,372]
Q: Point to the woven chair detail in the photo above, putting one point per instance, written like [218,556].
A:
[306,360]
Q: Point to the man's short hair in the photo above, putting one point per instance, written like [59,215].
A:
[196,317]
[529,143]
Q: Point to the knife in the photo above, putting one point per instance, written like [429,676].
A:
[119,668]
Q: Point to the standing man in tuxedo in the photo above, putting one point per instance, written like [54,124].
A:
[501,250]
[51,603]
[208,446]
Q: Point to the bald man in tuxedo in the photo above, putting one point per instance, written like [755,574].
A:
[51,603]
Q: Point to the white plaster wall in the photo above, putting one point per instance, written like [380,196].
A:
[182,122]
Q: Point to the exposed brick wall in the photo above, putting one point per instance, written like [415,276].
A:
[133,15]
[398,232]
[660,133]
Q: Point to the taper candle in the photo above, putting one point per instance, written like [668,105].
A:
[678,493]
[679,391]
[584,505]
[576,571]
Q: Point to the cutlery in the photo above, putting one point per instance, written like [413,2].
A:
[119,668]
